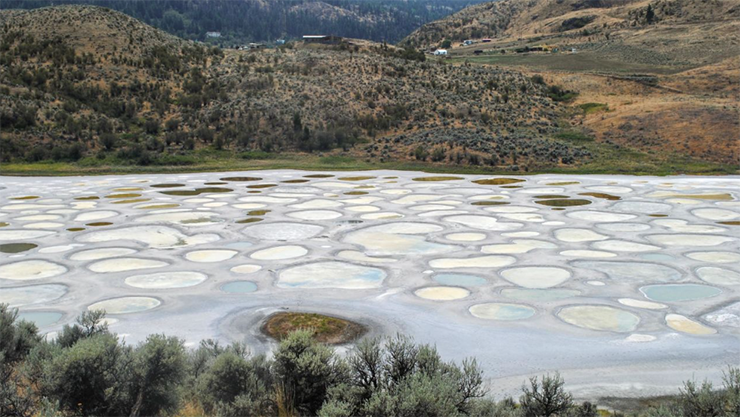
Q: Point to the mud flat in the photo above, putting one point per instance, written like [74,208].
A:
[635,278]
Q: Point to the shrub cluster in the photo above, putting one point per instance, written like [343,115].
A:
[89,371]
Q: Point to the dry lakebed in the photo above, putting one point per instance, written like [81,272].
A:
[626,285]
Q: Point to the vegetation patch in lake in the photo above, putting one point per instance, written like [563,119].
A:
[731,223]
[603,196]
[357,178]
[16,247]
[551,196]
[167,185]
[75,229]
[87,198]
[355,193]
[123,195]
[296,181]
[158,206]
[318,176]
[258,212]
[563,202]
[98,224]
[498,181]
[197,191]
[25,197]
[258,186]
[438,178]
[489,203]
[241,179]
[132,201]
[324,329]
[249,220]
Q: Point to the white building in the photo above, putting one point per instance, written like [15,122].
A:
[440,52]
[213,34]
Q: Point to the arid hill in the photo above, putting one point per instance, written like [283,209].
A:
[102,84]
[652,75]
[661,32]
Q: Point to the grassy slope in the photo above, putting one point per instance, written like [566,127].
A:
[612,161]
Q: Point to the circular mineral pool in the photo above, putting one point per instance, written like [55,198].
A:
[32,294]
[31,269]
[331,274]
[536,276]
[214,255]
[718,276]
[40,318]
[602,318]
[715,257]
[466,237]
[239,287]
[164,280]
[502,311]
[686,325]
[283,231]
[280,253]
[442,293]
[125,305]
[679,292]
[460,280]
[125,264]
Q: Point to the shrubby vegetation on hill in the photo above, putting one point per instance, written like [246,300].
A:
[248,20]
[113,90]
[88,370]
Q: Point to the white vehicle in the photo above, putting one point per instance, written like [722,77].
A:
[440,52]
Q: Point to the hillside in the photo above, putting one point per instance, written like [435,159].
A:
[242,21]
[104,85]
[651,75]
[681,33]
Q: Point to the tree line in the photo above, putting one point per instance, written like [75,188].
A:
[247,21]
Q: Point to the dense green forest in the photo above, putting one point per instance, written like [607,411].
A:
[88,370]
[247,20]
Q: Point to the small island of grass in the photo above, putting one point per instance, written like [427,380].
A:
[326,329]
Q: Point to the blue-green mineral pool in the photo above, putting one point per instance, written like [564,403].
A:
[40,318]
[463,280]
[679,292]
[239,287]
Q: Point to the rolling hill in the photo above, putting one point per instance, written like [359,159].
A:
[105,88]
[652,75]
